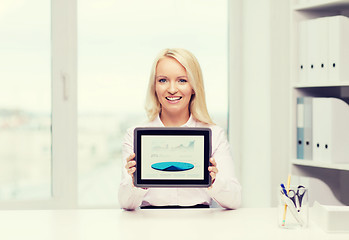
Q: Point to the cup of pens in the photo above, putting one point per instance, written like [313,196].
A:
[293,208]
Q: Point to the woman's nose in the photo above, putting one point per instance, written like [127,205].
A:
[172,89]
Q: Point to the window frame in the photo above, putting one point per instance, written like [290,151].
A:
[64,111]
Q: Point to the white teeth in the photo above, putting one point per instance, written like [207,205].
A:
[173,98]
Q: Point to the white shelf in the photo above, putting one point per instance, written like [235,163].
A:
[323,4]
[320,84]
[311,163]
[325,178]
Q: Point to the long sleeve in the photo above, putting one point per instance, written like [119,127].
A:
[130,197]
[225,190]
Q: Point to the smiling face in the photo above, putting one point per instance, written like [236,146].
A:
[173,89]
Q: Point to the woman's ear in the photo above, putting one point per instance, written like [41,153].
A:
[192,92]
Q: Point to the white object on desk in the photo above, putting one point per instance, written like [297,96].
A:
[331,218]
[293,209]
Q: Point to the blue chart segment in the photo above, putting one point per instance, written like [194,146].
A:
[172,166]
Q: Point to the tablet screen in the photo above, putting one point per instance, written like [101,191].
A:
[172,156]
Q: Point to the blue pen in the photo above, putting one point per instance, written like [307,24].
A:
[283,189]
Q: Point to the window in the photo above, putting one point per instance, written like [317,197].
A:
[25,102]
[117,45]
[40,115]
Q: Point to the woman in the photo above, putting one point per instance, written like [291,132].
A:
[176,98]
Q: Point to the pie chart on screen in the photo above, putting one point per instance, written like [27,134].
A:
[172,166]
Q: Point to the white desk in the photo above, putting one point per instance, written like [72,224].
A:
[178,224]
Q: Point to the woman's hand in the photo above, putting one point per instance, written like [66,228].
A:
[213,169]
[131,165]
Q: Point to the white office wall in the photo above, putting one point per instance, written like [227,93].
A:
[259,121]
[256,127]
[280,95]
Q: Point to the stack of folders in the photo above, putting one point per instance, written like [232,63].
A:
[323,129]
[324,50]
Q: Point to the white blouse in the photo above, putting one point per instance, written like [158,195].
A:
[225,190]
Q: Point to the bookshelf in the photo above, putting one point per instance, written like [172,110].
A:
[311,85]
[320,5]
[317,164]
[328,182]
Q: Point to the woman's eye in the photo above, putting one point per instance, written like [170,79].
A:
[162,80]
[182,80]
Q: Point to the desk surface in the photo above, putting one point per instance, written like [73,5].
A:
[178,224]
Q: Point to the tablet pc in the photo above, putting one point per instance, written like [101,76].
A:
[172,157]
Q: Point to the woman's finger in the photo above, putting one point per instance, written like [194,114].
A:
[130,164]
[131,157]
[131,170]
[213,162]
[213,169]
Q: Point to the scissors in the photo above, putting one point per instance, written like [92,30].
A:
[297,196]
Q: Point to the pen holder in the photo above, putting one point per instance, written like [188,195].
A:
[293,207]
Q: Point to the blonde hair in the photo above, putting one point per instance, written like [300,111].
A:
[197,105]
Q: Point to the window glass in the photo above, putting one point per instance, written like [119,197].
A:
[118,41]
[25,102]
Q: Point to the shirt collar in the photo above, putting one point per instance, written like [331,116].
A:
[190,123]
[158,122]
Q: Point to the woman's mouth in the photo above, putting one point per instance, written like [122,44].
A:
[173,99]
